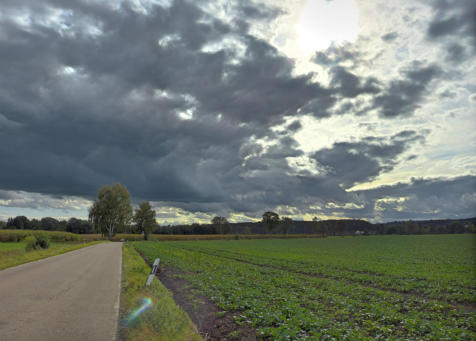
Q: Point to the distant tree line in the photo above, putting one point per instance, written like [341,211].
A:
[427,227]
[49,224]
[112,212]
[143,221]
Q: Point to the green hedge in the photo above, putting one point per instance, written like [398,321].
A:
[54,236]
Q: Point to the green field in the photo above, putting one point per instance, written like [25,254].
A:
[11,247]
[376,287]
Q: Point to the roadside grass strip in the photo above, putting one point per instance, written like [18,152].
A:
[150,313]
[13,253]
[285,305]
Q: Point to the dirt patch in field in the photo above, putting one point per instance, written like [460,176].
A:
[213,323]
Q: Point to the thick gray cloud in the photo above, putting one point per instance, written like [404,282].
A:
[453,25]
[455,52]
[453,18]
[96,109]
[423,199]
[180,106]
[403,96]
[391,99]
[349,163]
[350,85]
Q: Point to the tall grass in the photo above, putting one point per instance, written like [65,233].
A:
[57,236]
[159,318]
[54,236]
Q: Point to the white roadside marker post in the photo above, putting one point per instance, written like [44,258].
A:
[152,273]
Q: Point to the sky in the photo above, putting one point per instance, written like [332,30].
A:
[317,108]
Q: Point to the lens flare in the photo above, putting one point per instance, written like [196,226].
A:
[146,304]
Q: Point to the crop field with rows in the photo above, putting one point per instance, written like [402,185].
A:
[359,288]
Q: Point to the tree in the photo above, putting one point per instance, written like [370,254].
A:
[145,219]
[315,225]
[323,230]
[78,226]
[340,227]
[19,222]
[221,225]
[270,221]
[111,210]
[456,227]
[331,227]
[35,224]
[411,227]
[48,223]
[287,224]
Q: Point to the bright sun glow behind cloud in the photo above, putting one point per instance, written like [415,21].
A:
[324,22]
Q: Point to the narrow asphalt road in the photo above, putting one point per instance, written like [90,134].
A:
[74,296]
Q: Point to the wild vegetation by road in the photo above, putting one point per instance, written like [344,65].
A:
[150,313]
[23,246]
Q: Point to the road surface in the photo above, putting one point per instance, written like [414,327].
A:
[73,296]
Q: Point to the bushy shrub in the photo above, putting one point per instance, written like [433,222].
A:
[30,243]
[43,240]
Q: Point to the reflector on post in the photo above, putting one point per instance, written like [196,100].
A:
[153,272]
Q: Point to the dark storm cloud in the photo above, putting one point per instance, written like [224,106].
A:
[349,85]
[453,18]
[394,98]
[261,89]
[175,103]
[424,199]
[95,107]
[455,52]
[403,96]
[356,162]
[294,126]
[340,167]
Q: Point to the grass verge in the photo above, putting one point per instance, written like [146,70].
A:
[150,313]
[12,254]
